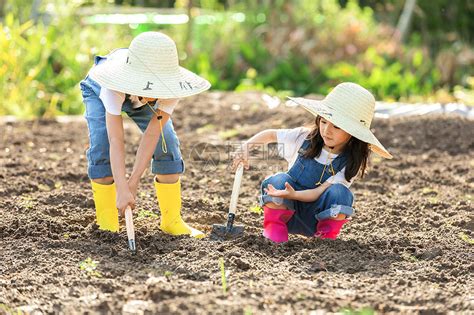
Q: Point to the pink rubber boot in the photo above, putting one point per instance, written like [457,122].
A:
[329,228]
[274,224]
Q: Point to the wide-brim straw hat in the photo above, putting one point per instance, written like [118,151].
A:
[350,107]
[148,68]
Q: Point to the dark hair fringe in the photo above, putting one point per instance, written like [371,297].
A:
[357,152]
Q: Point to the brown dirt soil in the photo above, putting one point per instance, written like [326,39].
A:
[408,249]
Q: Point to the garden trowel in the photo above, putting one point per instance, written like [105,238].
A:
[229,230]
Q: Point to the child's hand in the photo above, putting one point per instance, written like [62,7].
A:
[125,198]
[133,186]
[288,193]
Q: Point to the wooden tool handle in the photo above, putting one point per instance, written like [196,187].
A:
[129,224]
[236,188]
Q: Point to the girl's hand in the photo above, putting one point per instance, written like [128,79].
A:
[288,193]
[125,198]
[241,156]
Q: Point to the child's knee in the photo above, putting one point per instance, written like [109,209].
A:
[278,181]
[340,194]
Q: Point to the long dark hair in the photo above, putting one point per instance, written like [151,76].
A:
[356,150]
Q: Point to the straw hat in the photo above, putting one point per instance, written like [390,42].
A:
[351,108]
[148,68]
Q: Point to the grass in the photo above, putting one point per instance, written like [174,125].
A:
[227,134]
[362,311]
[142,214]
[429,191]
[168,274]
[256,209]
[466,238]
[408,257]
[206,128]
[9,310]
[89,266]
[27,202]
[223,278]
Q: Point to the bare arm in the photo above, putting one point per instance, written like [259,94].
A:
[263,137]
[147,146]
[308,195]
[115,133]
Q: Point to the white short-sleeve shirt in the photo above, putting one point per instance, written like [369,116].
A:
[291,140]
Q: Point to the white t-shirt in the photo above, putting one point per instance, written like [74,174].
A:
[113,100]
[291,140]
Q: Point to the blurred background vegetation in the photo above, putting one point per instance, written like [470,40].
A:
[402,50]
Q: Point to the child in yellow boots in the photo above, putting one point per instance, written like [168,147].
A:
[145,81]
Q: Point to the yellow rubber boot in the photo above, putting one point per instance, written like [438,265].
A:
[105,207]
[169,200]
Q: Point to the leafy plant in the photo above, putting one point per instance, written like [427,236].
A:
[466,238]
[256,209]
[89,266]
[142,214]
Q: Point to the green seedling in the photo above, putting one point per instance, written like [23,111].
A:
[89,266]
[223,278]
[142,214]
[408,257]
[466,238]
[362,311]
[429,191]
[66,235]
[227,134]
[256,209]
[9,310]
[27,202]
[168,274]
[205,129]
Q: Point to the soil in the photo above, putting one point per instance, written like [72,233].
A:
[408,249]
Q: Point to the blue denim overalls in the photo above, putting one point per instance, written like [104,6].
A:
[304,174]
[98,157]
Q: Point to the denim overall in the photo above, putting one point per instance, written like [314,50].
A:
[98,157]
[304,174]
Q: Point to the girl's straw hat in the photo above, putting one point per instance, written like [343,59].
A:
[351,108]
[148,68]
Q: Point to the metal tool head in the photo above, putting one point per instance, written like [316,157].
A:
[221,231]
[132,246]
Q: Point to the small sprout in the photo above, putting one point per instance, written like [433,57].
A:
[301,296]
[66,235]
[58,185]
[223,278]
[227,134]
[376,159]
[142,194]
[429,191]
[168,274]
[89,266]
[44,187]
[256,209]
[363,311]
[408,257]
[466,238]
[142,214]
[205,129]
